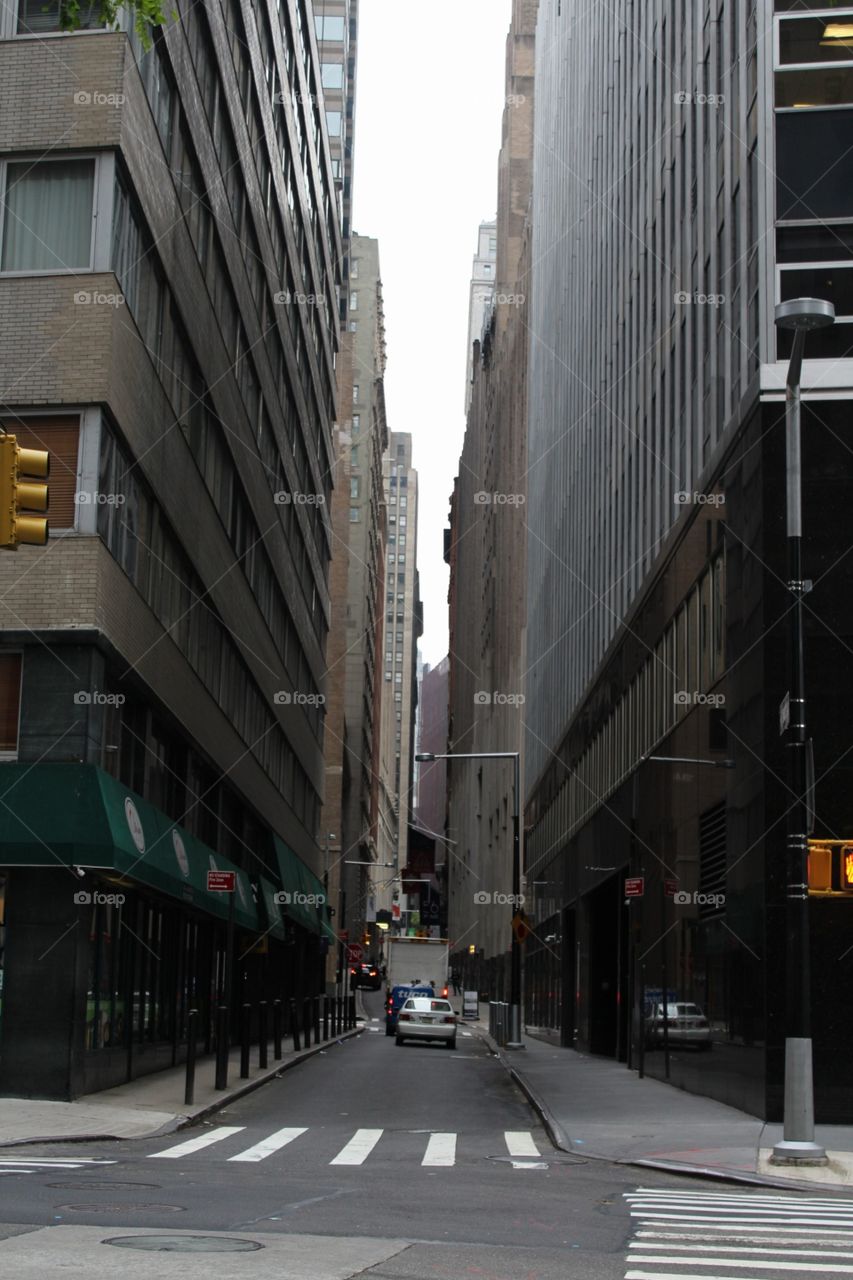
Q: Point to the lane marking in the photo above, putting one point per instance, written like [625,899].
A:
[359,1147]
[752,1264]
[267,1146]
[441,1151]
[197,1144]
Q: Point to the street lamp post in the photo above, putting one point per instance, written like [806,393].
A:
[798,1145]
[514,1041]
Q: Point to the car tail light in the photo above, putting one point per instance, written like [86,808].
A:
[450,1017]
[404,1017]
[444,992]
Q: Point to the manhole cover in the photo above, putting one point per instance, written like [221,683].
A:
[185,1244]
[122,1208]
[84,1184]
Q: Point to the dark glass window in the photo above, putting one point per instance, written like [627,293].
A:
[814,165]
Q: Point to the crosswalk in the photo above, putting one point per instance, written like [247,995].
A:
[434,1149]
[730,1235]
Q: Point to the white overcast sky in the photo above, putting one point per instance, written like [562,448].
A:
[429,105]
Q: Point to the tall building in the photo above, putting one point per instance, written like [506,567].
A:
[482,288]
[362,458]
[169,260]
[336,25]
[656,507]
[432,775]
[487,554]
[403,621]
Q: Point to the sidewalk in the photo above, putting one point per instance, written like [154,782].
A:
[597,1108]
[149,1106]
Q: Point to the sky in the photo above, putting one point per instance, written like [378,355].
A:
[429,106]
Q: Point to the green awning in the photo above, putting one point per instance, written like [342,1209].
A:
[76,815]
[303,894]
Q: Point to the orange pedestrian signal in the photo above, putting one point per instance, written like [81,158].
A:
[520,926]
[847,868]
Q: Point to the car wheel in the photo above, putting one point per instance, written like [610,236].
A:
[398,1040]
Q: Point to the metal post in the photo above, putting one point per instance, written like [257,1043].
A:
[263,1045]
[798,1144]
[514,1028]
[351,1013]
[306,1020]
[277,1029]
[245,1024]
[189,1087]
[222,1047]
[294,1025]
[316,1004]
[325,1017]
[641,1044]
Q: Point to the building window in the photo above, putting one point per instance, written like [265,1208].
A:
[402,522]
[329,28]
[401,451]
[333,123]
[355,393]
[36,17]
[353,456]
[354,486]
[48,216]
[354,269]
[353,301]
[398,677]
[10,703]
[356,423]
[353,515]
[60,436]
[333,75]
[353,326]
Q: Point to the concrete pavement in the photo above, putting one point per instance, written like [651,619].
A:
[595,1107]
[148,1106]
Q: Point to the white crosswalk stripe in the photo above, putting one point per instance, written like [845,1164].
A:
[704,1235]
[440,1151]
[359,1147]
[10,1166]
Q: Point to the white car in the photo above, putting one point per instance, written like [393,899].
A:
[427,1018]
[686,1024]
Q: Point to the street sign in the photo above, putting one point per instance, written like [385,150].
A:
[355,952]
[670,888]
[635,887]
[784,713]
[343,934]
[221,881]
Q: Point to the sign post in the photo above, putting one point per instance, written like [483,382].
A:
[224,882]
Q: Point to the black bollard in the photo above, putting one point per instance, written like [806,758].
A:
[222,1047]
[294,1025]
[351,1013]
[245,1024]
[316,1006]
[263,1046]
[306,1020]
[189,1087]
[325,1017]
[276,1030]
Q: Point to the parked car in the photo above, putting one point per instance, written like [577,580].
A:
[365,975]
[686,1025]
[426,1018]
[397,997]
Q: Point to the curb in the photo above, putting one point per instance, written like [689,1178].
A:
[559,1139]
[187,1121]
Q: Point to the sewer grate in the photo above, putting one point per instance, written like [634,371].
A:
[186,1244]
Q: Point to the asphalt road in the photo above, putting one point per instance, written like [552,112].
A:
[371,1159]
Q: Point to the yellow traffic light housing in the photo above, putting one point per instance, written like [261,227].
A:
[820,868]
[19,494]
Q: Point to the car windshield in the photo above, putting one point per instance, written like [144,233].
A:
[680,1011]
[424,1004]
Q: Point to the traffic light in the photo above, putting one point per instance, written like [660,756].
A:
[847,868]
[20,471]
[820,867]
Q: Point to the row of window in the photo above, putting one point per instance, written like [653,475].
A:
[150,301]
[146,548]
[676,677]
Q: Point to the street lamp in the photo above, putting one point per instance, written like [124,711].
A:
[798,1145]
[514,1041]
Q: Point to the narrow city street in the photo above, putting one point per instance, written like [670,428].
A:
[412,1162]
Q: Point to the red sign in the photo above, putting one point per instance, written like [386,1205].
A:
[670,888]
[355,952]
[221,881]
[343,934]
[635,887]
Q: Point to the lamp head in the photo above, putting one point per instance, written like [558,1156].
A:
[804,313]
[425,756]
